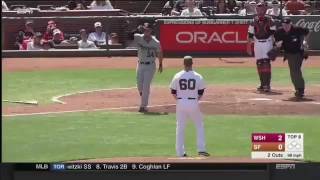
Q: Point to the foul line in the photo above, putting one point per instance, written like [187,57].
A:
[91,110]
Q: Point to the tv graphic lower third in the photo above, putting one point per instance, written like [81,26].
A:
[277,146]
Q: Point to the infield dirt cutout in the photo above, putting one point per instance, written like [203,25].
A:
[217,100]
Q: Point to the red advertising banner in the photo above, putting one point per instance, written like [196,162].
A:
[203,37]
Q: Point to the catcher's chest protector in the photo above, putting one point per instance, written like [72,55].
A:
[262,27]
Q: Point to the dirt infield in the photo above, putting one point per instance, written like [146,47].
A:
[218,99]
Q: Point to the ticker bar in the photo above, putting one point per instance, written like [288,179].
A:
[137,166]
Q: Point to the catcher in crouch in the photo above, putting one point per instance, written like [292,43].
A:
[260,33]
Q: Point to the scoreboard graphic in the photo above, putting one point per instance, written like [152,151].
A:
[277,146]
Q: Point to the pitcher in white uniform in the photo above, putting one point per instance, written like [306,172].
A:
[148,49]
[187,87]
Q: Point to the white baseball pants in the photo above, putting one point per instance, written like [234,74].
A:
[189,109]
[145,75]
[261,48]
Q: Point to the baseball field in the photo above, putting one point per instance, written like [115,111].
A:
[87,109]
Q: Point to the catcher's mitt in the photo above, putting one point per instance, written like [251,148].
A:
[273,53]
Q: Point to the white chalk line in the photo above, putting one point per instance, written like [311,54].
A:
[92,110]
[56,99]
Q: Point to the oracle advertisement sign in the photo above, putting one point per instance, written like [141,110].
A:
[203,37]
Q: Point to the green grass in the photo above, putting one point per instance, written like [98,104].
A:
[72,136]
[42,85]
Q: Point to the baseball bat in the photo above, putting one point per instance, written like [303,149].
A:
[22,102]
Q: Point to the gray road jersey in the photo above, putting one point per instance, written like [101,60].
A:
[147,51]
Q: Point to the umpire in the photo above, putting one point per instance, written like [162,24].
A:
[292,39]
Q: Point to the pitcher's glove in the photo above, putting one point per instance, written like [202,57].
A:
[273,53]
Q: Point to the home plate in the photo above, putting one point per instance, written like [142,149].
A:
[260,99]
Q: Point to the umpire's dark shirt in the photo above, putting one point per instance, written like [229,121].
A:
[292,40]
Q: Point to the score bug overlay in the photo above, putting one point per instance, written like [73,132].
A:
[277,146]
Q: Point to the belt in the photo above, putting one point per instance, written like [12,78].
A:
[262,40]
[147,63]
[190,98]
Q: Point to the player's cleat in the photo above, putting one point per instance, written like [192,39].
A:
[185,155]
[203,154]
[266,89]
[260,88]
[143,110]
[299,95]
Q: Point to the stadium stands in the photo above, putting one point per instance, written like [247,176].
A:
[121,20]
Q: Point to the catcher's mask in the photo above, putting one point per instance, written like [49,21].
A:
[261,9]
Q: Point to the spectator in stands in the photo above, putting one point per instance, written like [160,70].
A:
[275,10]
[114,39]
[308,9]
[4,6]
[98,37]
[178,7]
[84,43]
[242,9]
[295,7]
[166,9]
[191,9]
[250,7]
[231,5]
[221,7]
[25,36]
[81,6]
[36,43]
[72,5]
[101,5]
[48,35]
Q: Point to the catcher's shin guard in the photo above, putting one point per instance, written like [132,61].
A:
[264,71]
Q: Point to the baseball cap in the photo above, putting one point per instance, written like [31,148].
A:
[261,4]
[56,31]
[82,30]
[286,20]
[187,60]
[275,2]
[29,22]
[147,26]
[38,34]
[97,24]
[51,22]
[114,35]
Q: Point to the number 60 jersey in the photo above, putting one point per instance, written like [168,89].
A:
[187,84]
